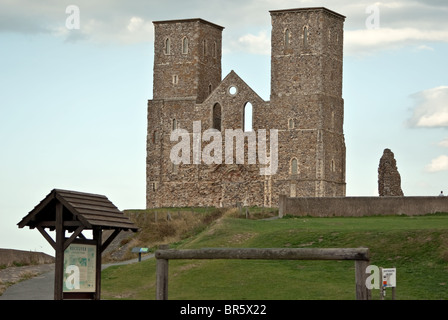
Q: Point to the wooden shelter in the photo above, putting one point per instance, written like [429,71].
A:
[73,212]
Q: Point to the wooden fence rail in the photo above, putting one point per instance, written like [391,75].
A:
[360,255]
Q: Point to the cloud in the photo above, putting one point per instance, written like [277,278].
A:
[438,164]
[444,143]
[425,47]
[254,44]
[367,41]
[431,108]
[417,23]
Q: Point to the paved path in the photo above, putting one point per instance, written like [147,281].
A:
[41,287]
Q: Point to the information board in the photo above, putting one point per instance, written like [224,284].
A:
[389,277]
[79,268]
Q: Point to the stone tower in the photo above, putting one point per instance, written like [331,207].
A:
[187,59]
[306,109]
[306,95]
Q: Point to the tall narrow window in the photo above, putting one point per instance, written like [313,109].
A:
[217,117]
[209,89]
[287,38]
[291,124]
[248,113]
[167,46]
[332,120]
[294,169]
[215,50]
[204,47]
[185,45]
[305,36]
[155,137]
[174,125]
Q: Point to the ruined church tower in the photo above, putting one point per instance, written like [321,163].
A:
[306,109]
[306,96]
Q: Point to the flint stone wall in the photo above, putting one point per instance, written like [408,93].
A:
[361,206]
[9,257]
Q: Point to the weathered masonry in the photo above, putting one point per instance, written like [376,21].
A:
[306,108]
[361,206]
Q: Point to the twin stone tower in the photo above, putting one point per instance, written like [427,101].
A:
[195,108]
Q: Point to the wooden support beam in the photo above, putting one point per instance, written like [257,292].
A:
[267,254]
[52,224]
[68,241]
[47,237]
[110,239]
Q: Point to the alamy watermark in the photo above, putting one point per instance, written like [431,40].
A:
[373,20]
[73,21]
[380,277]
[72,281]
[190,146]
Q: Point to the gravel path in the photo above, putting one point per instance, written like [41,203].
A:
[39,281]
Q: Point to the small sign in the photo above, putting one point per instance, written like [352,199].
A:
[389,277]
[140,250]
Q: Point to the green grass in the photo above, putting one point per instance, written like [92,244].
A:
[416,246]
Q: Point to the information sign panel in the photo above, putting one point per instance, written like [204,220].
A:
[389,277]
[79,268]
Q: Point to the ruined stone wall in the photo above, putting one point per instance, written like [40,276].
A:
[389,179]
[306,109]
[361,206]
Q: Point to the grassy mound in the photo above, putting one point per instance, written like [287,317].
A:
[416,246]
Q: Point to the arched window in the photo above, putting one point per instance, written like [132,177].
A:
[287,38]
[185,45]
[174,127]
[247,119]
[167,46]
[217,117]
[305,36]
[294,166]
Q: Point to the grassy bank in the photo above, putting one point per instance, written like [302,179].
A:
[416,246]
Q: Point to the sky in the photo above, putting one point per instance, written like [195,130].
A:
[75,77]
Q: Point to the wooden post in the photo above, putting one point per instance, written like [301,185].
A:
[162,279]
[59,259]
[97,237]
[382,290]
[362,292]
[162,276]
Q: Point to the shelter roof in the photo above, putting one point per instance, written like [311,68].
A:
[79,208]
